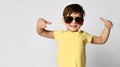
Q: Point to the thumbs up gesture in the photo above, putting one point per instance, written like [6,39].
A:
[108,23]
[42,23]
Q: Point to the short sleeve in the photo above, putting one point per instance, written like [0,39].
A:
[57,35]
[88,37]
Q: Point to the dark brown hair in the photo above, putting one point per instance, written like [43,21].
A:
[74,8]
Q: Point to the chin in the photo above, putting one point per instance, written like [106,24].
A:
[73,30]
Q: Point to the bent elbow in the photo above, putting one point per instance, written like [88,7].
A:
[103,42]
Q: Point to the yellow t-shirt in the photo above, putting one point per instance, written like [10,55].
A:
[71,48]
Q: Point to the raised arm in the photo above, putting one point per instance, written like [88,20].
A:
[105,33]
[41,25]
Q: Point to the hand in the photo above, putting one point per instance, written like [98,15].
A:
[42,23]
[108,23]
[40,28]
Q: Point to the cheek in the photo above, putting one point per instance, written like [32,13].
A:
[67,25]
[79,25]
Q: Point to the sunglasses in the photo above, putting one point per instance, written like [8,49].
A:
[69,19]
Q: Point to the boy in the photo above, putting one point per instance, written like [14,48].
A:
[72,42]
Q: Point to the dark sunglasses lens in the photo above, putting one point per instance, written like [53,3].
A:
[79,20]
[68,19]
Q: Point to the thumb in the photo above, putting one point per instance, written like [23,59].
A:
[104,20]
[47,22]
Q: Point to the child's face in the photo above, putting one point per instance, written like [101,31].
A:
[74,25]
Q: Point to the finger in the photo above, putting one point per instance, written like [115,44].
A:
[47,22]
[104,20]
[108,26]
[101,19]
[110,22]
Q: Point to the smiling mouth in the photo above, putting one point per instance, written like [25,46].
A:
[73,26]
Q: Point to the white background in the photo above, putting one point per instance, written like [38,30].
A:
[21,46]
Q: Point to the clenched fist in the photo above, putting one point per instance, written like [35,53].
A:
[42,23]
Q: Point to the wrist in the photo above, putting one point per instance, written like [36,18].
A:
[40,30]
[107,28]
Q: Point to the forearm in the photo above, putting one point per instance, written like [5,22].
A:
[105,34]
[45,33]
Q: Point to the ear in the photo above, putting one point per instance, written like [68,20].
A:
[63,20]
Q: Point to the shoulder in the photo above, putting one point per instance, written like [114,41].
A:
[59,31]
[87,36]
[83,32]
[58,34]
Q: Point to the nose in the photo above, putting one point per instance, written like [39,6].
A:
[73,21]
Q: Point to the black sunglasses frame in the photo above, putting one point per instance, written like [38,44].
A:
[69,19]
